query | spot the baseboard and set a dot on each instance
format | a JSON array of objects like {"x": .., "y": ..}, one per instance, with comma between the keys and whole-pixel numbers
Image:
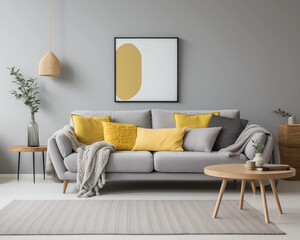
[{"x": 23, "y": 176}]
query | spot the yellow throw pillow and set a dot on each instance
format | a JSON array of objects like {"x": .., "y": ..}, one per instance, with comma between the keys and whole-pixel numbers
[
  {"x": 167, "y": 139},
  {"x": 193, "y": 121},
  {"x": 89, "y": 130},
  {"x": 121, "y": 135}
]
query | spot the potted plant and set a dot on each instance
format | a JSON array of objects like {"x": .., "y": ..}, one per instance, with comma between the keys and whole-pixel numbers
[
  {"x": 291, "y": 119},
  {"x": 259, "y": 147},
  {"x": 27, "y": 90}
]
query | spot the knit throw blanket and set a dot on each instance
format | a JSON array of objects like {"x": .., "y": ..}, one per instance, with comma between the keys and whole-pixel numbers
[
  {"x": 239, "y": 146},
  {"x": 91, "y": 163}
]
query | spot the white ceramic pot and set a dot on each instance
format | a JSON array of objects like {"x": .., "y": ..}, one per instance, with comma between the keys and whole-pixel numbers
[
  {"x": 259, "y": 160},
  {"x": 291, "y": 120}
]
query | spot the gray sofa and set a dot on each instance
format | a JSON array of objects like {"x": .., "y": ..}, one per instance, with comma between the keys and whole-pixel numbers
[{"x": 144, "y": 165}]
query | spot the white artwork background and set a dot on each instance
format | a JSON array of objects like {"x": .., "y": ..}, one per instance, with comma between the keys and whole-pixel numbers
[{"x": 159, "y": 69}]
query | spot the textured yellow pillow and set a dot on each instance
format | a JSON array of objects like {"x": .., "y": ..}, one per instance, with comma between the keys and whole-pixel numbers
[
  {"x": 167, "y": 139},
  {"x": 121, "y": 135},
  {"x": 89, "y": 130},
  {"x": 193, "y": 121}
]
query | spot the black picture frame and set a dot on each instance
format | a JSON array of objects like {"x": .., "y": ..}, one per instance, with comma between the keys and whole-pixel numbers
[{"x": 150, "y": 101}]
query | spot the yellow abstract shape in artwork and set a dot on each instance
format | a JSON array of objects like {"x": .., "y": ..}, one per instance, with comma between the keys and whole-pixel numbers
[{"x": 128, "y": 71}]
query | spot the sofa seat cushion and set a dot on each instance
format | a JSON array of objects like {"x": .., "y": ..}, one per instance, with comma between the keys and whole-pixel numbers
[
  {"x": 120, "y": 161},
  {"x": 191, "y": 161}
]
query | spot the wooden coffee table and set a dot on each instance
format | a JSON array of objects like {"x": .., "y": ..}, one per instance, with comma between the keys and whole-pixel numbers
[{"x": 239, "y": 171}]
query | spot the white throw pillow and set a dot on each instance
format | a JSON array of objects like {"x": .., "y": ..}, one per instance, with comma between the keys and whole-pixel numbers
[{"x": 200, "y": 139}]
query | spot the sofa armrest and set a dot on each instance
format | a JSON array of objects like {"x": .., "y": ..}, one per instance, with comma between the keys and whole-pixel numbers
[
  {"x": 268, "y": 150},
  {"x": 57, "y": 159},
  {"x": 267, "y": 140},
  {"x": 64, "y": 145},
  {"x": 249, "y": 149}
]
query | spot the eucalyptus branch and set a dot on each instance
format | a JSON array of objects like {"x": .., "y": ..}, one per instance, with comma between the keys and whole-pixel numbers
[
  {"x": 259, "y": 147},
  {"x": 27, "y": 90},
  {"x": 282, "y": 113}
]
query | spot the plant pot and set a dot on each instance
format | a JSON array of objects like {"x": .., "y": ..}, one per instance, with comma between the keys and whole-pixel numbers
[
  {"x": 33, "y": 133},
  {"x": 259, "y": 160},
  {"x": 291, "y": 120}
]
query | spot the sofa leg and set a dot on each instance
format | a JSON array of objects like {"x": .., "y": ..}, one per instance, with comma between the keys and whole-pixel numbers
[{"x": 65, "y": 185}]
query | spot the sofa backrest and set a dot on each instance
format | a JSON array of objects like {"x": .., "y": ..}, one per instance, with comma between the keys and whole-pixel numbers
[
  {"x": 155, "y": 118},
  {"x": 142, "y": 118},
  {"x": 165, "y": 119}
]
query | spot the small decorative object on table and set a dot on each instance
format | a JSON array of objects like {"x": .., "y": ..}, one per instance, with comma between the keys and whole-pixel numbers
[
  {"x": 291, "y": 119},
  {"x": 276, "y": 167},
  {"x": 259, "y": 159},
  {"x": 250, "y": 164},
  {"x": 27, "y": 92}
]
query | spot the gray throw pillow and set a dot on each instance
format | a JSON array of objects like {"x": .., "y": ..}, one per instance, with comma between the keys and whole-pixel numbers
[
  {"x": 200, "y": 139},
  {"x": 231, "y": 130}
]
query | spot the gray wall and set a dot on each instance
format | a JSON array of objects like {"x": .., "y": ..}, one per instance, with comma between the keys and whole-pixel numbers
[{"x": 241, "y": 54}]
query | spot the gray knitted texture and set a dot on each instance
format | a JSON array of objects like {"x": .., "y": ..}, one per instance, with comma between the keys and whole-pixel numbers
[{"x": 91, "y": 163}]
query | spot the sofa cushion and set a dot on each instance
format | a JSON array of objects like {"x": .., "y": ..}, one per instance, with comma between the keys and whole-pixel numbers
[
  {"x": 194, "y": 120},
  {"x": 142, "y": 118},
  {"x": 200, "y": 139},
  {"x": 231, "y": 130},
  {"x": 167, "y": 139},
  {"x": 121, "y": 135},
  {"x": 191, "y": 161},
  {"x": 249, "y": 149},
  {"x": 165, "y": 119},
  {"x": 64, "y": 145},
  {"x": 120, "y": 161},
  {"x": 89, "y": 130}
]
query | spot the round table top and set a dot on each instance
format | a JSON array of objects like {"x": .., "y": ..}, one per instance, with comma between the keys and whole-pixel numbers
[
  {"x": 239, "y": 171},
  {"x": 25, "y": 148}
]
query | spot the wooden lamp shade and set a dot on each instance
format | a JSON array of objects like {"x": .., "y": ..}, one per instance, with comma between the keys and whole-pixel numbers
[{"x": 49, "y": 65}]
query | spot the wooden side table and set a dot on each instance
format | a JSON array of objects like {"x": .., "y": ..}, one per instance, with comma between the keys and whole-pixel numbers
[
  {"x": 24, "y": 148},
  {"x": 239, "y": 171},
  {"x": 289, "y": 146}
]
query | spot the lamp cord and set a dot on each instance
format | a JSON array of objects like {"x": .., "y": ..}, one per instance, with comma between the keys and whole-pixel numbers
[{"x": 50, "y": 25}]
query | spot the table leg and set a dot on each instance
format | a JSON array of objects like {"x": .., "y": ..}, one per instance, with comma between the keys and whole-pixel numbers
[
  {"x": 43, "y": 164},
  {"x": 19, "y": 158},
  {"x": 263, "y": 195},
  {"x": 253, "y": 186},
  {"x": 33, "y": 161},
  {"x": 275, "y": 195},
  {"x": 242, "y": 193},
  {"x": 222, "y": 189}
]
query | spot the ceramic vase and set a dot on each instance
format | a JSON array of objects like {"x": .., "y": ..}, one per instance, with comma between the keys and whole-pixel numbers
[
  {"x": 291, "y": 120},
  {"x": 33, "y": 133},
  {"x": 259, "y": 160}
]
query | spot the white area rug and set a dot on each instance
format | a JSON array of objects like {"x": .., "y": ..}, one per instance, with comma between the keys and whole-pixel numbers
[{"x": 142, "y": 217}]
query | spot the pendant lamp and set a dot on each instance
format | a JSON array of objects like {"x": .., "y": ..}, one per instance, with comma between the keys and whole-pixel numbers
[{"x": 49, "y": 64}]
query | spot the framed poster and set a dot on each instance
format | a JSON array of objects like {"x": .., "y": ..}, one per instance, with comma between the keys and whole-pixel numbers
[{"x": 146, "y": 69}]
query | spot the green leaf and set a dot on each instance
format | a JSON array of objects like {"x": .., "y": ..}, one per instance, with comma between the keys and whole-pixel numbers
[{"x": 26, "y": 89}]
